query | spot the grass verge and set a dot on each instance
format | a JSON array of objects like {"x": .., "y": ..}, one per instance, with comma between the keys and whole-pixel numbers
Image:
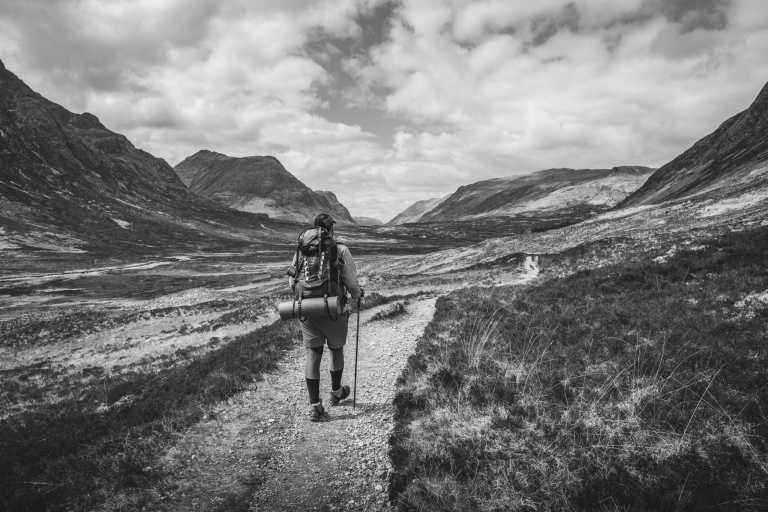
[
  {"x": 640, "y": 386},
  {"x": 74, "y": 454}
]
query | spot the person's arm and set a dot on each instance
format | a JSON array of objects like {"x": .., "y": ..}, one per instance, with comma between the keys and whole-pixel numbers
[
  {"x": 292, "y": 278},
  {"x": 349, "y": 273}
]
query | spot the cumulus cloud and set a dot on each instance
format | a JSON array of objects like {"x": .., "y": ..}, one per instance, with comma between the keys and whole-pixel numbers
[
  {"x": 391, "y": 101},
  {"x": 518, "y": 87}
]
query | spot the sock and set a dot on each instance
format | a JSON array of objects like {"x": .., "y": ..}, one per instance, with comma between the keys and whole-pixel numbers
[
  {"x": 336, "y": 379},
  {"x": 313, "y": 386}
]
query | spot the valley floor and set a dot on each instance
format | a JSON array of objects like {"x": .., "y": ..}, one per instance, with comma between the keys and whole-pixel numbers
[
  {"x": 121, "y": 385},
  {"x": 171, "y": 386}
]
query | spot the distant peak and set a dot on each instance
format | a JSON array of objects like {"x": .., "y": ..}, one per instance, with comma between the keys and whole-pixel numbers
[
  {"x": 216, "y": 154},
  {"x": 2, "y": 66},
  {"x": 762, "y": 96},
  {"x": 208, "y": 152}
]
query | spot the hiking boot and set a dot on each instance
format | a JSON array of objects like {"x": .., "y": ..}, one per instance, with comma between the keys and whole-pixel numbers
[
  {"x": 338, "y": 395},
  {"x": 318, "y": 413}
]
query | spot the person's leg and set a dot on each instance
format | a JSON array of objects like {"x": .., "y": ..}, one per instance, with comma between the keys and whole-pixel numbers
[
  {"x": 337, "y": 367},
  {"x": 313, "y": 342},
  {"x": 312, "y": 373},
  {"x": 337, "y": 337},
  {"x": 314, "y": 339},
  {"x": 338, "y": 392}
]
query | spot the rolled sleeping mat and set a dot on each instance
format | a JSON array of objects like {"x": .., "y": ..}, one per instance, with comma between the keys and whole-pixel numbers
[{"x": 316, "y": 307}]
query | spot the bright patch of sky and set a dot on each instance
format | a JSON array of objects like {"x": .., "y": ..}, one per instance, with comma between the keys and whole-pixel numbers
[{"x": 390, "y": 102}]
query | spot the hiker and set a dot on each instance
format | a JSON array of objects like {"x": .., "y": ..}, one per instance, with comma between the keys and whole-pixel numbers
[{"x": 322, "y": 267}]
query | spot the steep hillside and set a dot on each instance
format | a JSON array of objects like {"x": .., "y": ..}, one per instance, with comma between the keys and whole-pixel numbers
[
  {"x": 414, "y": 212},
  {"x": 69, "y": 184},
  {"x": 545, "y": 191},
  {"x": 339, "y": 209},
  {"x": 731, "y": 160},
  {"x": 257, "y": 184}
]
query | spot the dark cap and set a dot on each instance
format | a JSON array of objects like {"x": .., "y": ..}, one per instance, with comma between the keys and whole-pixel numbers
[{"x": 324, "y": 221}]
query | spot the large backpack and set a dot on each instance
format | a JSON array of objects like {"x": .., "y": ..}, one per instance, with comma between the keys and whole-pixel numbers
[{"x": 318, "y": 266}]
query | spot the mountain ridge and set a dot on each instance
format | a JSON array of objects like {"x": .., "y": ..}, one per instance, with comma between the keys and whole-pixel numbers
[
  {"x": 724, "y": 159},
  {"x": 69, "y": 184},
  {"x": 415, "y": 211},
  {"x": 257, "y": 184},
  {"x": 542, "y": 191}
]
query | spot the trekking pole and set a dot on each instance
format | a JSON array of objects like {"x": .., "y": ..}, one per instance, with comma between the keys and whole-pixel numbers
[{"x": 357, "y": 341}]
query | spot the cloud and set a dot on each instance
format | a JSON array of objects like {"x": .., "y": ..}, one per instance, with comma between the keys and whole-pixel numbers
[
  {"x": 536, "y": 22},
  {"x": 389, "y": 102},
  {"x": 90, "y": 44},
  {"x": 575, "y": 97},
  {"x": 697, "y": 14}
]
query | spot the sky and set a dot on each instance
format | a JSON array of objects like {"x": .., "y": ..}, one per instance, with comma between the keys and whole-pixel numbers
[{"x": 389, "y": 102}]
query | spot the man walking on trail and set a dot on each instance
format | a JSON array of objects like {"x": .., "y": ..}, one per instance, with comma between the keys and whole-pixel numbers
[{"x": 319, "y": 331}]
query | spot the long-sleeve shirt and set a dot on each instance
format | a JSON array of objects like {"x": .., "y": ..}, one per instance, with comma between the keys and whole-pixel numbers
[{"x": 348, "y": 271}]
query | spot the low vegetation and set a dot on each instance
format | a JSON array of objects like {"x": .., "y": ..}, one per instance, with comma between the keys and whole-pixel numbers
[
  {"x": 639, "y": 386},
  {"x": 374, "y": 300},
  {"x": 74, "y": 453},
  {"x": 393, "y": 311}
]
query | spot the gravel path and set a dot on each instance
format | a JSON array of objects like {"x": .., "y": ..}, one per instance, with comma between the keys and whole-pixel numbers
[{"x": 258, "y": 451}]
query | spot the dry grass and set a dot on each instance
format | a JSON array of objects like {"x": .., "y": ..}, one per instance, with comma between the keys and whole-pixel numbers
[
  {"x": 634, "y": 387},
  {"x": 73, "y": 454},
  {"x": 393, "y": 311}
]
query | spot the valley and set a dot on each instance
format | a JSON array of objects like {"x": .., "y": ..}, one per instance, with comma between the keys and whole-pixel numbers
[
  {"x": 107, "y": 370},
  {"x": 104, "y": 354},
  {"x": 567, "y": 338}
]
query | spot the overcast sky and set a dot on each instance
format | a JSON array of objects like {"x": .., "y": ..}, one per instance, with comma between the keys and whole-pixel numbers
[{"x": 386, "y": 103}]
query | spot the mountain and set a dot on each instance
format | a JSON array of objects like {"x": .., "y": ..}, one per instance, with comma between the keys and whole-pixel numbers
[
  {"x": 69, "y": 184},
  {"x": 337, "y": 210},
  {"x": 258, "y": 184},
  {"x": 717, "y": 187},
  {"x": 414, "y": 212},
  {"x": 731, "y": 160},
  {"x": 368, "y": 221},
  {"x": 550, "y": 190}
]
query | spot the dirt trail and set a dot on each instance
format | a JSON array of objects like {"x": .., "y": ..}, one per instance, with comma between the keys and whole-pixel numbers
[{"x": 258, "y": 450}]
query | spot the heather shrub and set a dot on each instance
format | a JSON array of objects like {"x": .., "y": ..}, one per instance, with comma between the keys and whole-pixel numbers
[{"x": 630, "y": 387}]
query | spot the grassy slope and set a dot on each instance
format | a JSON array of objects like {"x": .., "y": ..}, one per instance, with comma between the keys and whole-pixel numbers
[{"x": 641, "y": 386}]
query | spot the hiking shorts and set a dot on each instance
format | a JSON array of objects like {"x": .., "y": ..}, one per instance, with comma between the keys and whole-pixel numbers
[{"x": 318, "y": 331}]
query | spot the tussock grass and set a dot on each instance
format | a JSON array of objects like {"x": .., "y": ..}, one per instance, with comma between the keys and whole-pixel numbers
[
  {"x": 375, "y": 299},
  {"x": 73, "y": 454},
  {"x": 632, "y": 387}
]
